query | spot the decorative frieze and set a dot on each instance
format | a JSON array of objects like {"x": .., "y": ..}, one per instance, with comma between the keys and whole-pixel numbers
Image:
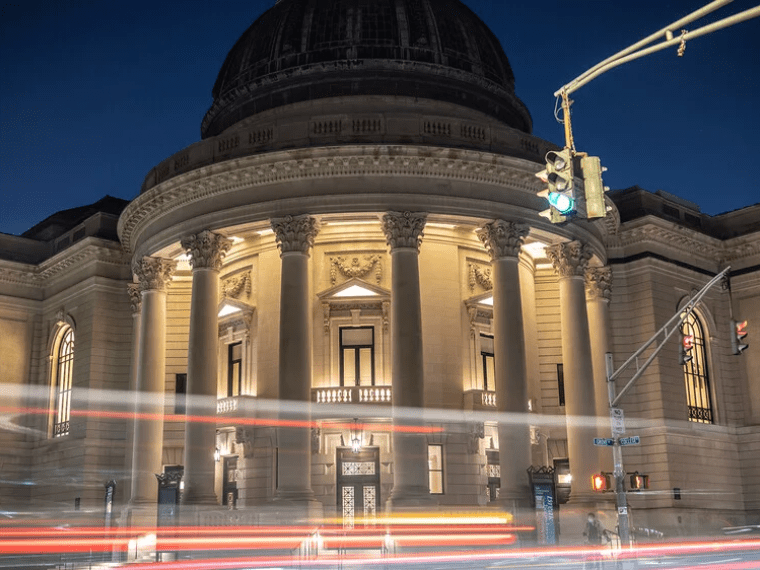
[
  {"x": 236, "y": 286},
  {"x": 206, "y": 249},
  {"x": 154, "y": 273},
  {"x": 502, "y": 238},
  {"x": 135, "y": 298},
  {"x": 404, "y": 229},
  {"x": 295, "y": 233},
  {"x": 599, "y": 283},
  {"x": 354, "y": 267},
  {"x": 570, "y": 259},
  {"x": 479, "y": 275}
]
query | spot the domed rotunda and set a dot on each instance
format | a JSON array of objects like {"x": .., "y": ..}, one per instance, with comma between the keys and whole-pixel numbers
[{"x": 357, "y": 234}]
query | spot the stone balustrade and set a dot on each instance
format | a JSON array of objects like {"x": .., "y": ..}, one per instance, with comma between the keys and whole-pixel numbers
[{"x": 378, "y": 395}]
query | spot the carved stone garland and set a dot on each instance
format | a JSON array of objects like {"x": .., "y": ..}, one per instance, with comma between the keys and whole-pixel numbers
[
  {"x": 355, "y": 268},
  {"x": 206, "y": 249},
  {"x": 154, "y": 273},
  {"x": 234, "y": 287},
  {"x": 599, "y": 283},
  {"x": 404, "y": 230},
  {"x": 502, "y": 238},
  {"x": 570, "y": 259},
  {"x": 480, "y": 276},
  {"x": 295, "y": 233}
]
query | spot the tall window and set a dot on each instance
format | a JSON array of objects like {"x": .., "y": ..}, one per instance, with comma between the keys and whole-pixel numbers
[
  {"x": 357, "y": 356},
  {"x": 64, "y": 369},
  {"x": 435, "y": 469},
  {"x": 696, "y": 376},
  {"x": 234, "y": 369},
  {"x": 486, "y": 354},
  {"x": 561, "y": 383}
]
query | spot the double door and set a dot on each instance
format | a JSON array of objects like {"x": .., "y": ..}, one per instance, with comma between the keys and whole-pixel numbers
[{"x": 358, "y": 485}]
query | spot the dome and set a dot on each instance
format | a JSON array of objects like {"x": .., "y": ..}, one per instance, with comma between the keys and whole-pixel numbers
[{"x": 302, "y": 50}]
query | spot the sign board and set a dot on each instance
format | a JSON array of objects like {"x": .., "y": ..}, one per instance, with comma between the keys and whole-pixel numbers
[
  {"x": 622, "y": 510},
  {"x": 618, "y": 421},
  {"x": 632, "y": 440},
  {"x": 602, "y": 441},
  {"x": 545, "y": 506}
]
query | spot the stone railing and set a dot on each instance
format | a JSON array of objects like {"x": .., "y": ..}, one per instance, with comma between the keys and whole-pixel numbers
[
  {"x": 379, "y": 395},
  {"x": 479, "y": 400},
  {"x": 233, "y": 405}
]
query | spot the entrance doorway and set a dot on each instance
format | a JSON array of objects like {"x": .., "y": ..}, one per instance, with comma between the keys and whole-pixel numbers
[
  {"x": 229, "y": 485},
  {"x": 358, "y": 485}
]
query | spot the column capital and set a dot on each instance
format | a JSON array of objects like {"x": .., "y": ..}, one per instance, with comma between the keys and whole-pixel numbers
[
  {"x": 599, "y": 283},
  {"x": 404, "y": 229},
  {"x": 135, "y": 298},
  {"x": 206, "y": 249},
  {"x": 502, "y": 238},
  {"x": 295, "y": 233},
  {"x": 153, "y": 273},
  {"x": 570, "y": 259}
]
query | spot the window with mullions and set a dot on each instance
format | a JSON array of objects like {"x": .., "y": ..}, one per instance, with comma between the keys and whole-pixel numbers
[
  {"x": 696, "y": 376},
  {"x": 64, "y": 372},
  {"x": 435, "y": 469},
  {"x": 234, "y": 369},
  {"x": 486, "y": 354},
  {"x": 357, "y": 356}
]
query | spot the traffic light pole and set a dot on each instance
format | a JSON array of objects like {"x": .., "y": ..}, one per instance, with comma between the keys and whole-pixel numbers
[{"x": 673, "y": 324}]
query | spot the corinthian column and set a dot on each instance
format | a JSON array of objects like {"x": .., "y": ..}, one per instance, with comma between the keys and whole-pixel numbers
[
  {"x": 295, "y": 238},
  {"x": 570, "y": 261},
  {"x": 503, "y": 241},
  {"x": 135, "y": 300},
  {"x": 206, "y": 250},
  {"x": 403, "y": 233},
  {"x": 154, "y": 275},
  {"x": 598, "y": 293}
]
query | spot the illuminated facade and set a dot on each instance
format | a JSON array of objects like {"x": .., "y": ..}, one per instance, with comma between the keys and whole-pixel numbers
[{"x": 358, "y": 229}]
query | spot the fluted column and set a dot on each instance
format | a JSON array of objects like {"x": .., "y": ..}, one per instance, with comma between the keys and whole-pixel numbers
[
  {"x": 570, "y": 261},
  {"x": 503, "y": 241},
  {"x": 154, "y": 275},
  {"x": 598, "y": 293},
  {"x": 295, "y": 238},
  {"x": 135, "y": 301},
  {"x": 206, "y": 251},
  {"x": 403, "y": 232}
]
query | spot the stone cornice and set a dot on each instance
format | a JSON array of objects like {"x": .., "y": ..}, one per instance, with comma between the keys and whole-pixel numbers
[
  {"x": 348, "y": 161},
  {"x": 42, "y": 275}
]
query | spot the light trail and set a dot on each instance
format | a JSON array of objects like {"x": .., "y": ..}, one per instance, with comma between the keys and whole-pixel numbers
[{"x": 260, "y": 422}]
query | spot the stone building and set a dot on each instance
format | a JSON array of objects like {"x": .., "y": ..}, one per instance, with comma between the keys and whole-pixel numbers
[{"x": 358, "y": 228}]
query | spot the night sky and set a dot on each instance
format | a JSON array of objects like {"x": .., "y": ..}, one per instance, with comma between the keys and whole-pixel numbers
[{"x": 93, "y": 93}]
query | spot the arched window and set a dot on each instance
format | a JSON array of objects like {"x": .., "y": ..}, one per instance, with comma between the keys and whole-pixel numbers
[
  {"x": 696, "y": 376},
  {"x": 62, "y": 375}
]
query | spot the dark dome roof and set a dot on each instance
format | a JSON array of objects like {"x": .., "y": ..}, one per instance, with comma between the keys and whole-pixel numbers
[{"x": 300, "y": 50}]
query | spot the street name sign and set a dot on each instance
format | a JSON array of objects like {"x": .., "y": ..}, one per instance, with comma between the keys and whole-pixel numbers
[
  {"x": 604, "y": 441},
  {"x": 632, "y": 440}
]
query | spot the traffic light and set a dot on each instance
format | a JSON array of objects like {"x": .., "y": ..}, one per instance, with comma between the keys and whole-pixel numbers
[
  {"x": 684, "y": 348},
  {"x": 639, "y": 481},
  {"x": 593, "y": 187},
  {"x": 558, "y": 177},
  {"x": 738, "y": 334},
  {"x": 601, "y": 482}
]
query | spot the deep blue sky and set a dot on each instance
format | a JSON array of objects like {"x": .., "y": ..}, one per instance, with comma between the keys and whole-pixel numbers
[{"x": 93, "y": 93}]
